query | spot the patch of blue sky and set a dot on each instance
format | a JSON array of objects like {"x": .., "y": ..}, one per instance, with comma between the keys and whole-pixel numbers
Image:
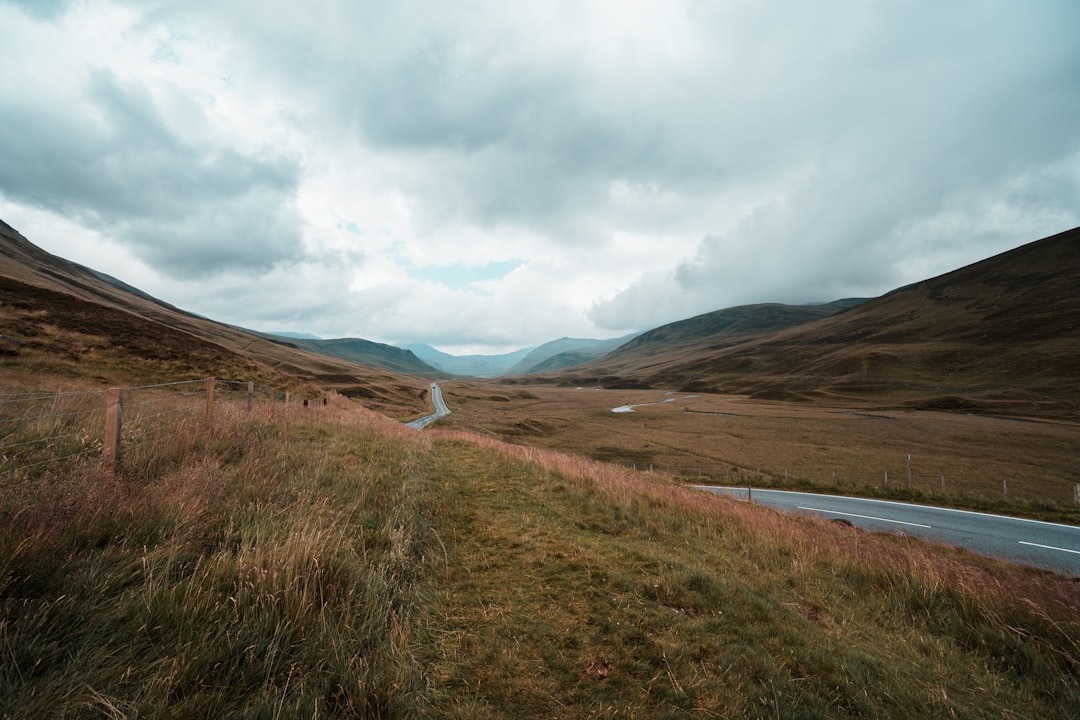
[
  {"x": 165, "y": 52},
  {"x": 463, "y": 277}
]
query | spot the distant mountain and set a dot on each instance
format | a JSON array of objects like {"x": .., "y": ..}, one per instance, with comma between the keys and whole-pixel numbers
[
  {"x": 1002, "y": 335},
  {"x": 554, "y": 355},
  {"x": 560, "y": 361},
  {"x": 564, "y": 353},
  {"x": 371, "y": 354},
  {"x": 481, "y": 366}
]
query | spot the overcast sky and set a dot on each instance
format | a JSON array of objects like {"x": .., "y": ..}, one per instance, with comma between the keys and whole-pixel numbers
[{"x": 501, "y": 174}]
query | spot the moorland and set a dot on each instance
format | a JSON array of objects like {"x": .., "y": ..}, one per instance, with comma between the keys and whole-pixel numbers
[{"x": 517, "y": 559}]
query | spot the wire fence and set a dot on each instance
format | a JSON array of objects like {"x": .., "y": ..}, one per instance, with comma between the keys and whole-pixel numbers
[
  {"x": 42, "y": 432},
  {"x": 900, "y": 482},
  {"x": 38, "y": 429}
]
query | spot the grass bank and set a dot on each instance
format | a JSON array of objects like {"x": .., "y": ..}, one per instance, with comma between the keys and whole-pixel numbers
[
  {"x": 577, "y": 589},
  {"x": 328, "y": 563},
  {"x": 270, "y": 567}
]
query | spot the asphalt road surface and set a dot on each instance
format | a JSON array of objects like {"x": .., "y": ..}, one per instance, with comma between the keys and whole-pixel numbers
[
  {"x": 1050, "y": 546},
  {"x": 440, "y": 410}
]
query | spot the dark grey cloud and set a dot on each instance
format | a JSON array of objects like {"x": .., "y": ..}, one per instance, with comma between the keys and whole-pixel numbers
[
  {"x": 113, "y": 160},
  {"x": 505, "y": 131},
  {"x": 949, "y": 117},
  {"x": 509, "y": 129},
  {"x": 745, "y": 152}
]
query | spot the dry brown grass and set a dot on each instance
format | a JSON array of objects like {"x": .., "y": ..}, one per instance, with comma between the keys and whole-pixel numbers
[
  {"x": 729, "y": 438},
  {"x": 301, "y": 562},
  {"x": 268, "y": 565},
  {"x": 818, "y": 540},
  {"x": 574, "y": 587},
  {"x": 55, "y": 333}
]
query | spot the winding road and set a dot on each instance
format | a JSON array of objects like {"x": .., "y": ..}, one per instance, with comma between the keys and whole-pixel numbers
[
  {"x": 1050, "y": 546},
  {"x": 440, "y": 410}
]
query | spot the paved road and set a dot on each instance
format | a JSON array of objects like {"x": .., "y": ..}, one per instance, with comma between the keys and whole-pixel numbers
[
  {"x": 1050, "y": 546},
  {"x": 440, "y": 410}
]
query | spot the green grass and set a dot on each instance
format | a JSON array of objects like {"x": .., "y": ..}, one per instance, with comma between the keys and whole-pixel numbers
[
  {"x": 565, "y": 597},
  {"x": 329, "y": 563}
]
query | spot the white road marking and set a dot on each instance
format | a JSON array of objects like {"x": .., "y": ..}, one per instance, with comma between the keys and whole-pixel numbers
[
  {"x": 1051, "y": 547},
  {"x": 865, "y": 517}
]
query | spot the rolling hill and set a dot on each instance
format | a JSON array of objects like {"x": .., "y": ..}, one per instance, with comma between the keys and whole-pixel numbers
[
  {"x": 1000, "y": 335},
  {"x": 730, "y": 326},
  {"x": 62, "y": 320},
  {"x": 367, "y": 353},
  {"x": 554, "y": 355},
  {"x": 481, "y": 366},
  {"x": 565, "y": 353}
]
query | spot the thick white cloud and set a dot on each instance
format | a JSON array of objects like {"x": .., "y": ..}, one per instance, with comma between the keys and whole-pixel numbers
[{"x": 312, "y": 166}]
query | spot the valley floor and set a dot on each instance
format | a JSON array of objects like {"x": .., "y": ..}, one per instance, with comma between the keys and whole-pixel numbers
[{"x": 875, "y": 450}]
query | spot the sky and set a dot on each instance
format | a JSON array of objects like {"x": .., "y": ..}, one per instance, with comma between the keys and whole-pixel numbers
[{"x": 488, "y": 175}]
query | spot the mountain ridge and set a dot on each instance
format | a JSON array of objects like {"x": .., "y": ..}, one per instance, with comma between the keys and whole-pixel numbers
[
  {"x": 63, "y": 320},
  {"x": 371, "y": 354},
  {"x": 566, "y": 352},
  {"x": 1001, "y": 334},
  {"x": 481, "y": 366}
]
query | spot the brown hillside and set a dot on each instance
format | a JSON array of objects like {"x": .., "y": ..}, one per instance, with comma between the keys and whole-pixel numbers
[
  {"x": 1001, "y": 335},
  {"x": 60, "y": 320}
]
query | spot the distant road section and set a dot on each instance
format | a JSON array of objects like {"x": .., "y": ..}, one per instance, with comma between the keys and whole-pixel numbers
[
  {"x": 1050, "y": 546},
  {"x": 440, "y": 410}
]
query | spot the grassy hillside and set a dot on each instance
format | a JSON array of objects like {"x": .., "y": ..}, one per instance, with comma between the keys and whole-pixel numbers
[
  {"x": 726, "y": 327},
  {"x": 370, "y": 354},
  {"x": 1002, "y": 336},
  {"x": 329, "y": 563},
  {"x": 62, "y": 322}
]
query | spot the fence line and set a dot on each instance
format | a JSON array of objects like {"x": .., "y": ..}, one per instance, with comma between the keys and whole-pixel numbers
[
  {"x": 43, "y": 429},
  {"x": 40, "y": 428},
  {"x": 791, "y": 478}
]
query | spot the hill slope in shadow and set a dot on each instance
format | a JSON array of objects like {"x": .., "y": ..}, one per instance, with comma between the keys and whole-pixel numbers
[
  {"x": 1000, "y": 335},
  {"x": 62, "y": 320}
]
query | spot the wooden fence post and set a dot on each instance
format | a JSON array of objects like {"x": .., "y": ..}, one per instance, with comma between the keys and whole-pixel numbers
[
  {"x": 113, "y": 418},
  {"x": 209, "y": 400},
  {"x": 1076, "y": 493},
  {"x": 251, "y": 393}
]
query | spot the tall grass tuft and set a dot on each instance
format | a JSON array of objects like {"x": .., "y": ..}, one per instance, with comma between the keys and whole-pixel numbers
[{"x": 268, "y": 566}]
